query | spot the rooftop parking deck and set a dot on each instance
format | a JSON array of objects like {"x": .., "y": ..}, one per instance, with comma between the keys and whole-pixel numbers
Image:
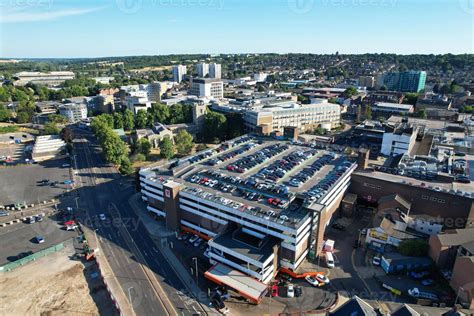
[{"x": 279, "y": 182}]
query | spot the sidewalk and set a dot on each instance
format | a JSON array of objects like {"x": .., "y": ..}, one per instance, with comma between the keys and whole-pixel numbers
[
  {"x": 109, "y": 278},
  {"x": 160, "y": 234}
]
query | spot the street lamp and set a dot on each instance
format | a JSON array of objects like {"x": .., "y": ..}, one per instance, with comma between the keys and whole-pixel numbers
[
  {"x": 130, "y": 298},
  {"x": 457, "y": 295},
  {"x": 196, "y": 262}
]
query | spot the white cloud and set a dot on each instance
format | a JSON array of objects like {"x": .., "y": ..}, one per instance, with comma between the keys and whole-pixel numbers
[{"x": 18, "y": 16}]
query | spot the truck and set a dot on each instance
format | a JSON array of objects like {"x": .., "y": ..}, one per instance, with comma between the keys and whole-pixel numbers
[
  {"x": 416, "y": 293},
  {"x": 328, "y": 245}
]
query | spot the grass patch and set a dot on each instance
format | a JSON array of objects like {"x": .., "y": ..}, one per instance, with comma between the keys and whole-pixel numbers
[{"x": 8, "y": 129}]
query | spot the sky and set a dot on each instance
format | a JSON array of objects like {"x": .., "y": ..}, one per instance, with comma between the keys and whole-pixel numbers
[{"x": 86, "y": 28}]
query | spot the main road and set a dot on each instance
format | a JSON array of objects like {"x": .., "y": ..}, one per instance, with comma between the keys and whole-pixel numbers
[{"x": 145, "y": 276}]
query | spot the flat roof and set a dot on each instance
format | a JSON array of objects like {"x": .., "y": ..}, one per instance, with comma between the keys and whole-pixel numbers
[
  {"x": 238, "y": 281},
  {"x": 394, "y": 105},
  {"x": 258, "y": 254}
]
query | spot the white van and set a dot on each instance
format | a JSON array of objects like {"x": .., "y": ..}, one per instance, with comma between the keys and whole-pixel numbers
[{"x": 329, "y": 260}]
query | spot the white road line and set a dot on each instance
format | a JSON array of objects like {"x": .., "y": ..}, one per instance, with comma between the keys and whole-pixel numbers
[{"x": 110, "y": 237}]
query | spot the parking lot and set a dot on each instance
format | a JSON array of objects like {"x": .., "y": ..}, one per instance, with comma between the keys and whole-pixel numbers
[
  {"x": 19, "y": 239},
  {"x": 21, "y": 183}
]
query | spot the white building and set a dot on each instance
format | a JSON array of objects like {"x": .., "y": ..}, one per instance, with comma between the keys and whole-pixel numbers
[
  {"x": 137, "y": 103},
  {"x": 400, "y": 141},
  {"x": 395, "y": 108},
  {"x": 215, "y": 71},
  {"x": 103, "y": 80},
  {"x": 178, "y": 73},
  {"x": 207, "y": 88},
  {"x": 277, "y": 115},
  {"x": 74, "y": 111},
  {"x": 260, "y": 77},
  {"x": 53, "y": 78},
  {"x": 202, "y": 70}
]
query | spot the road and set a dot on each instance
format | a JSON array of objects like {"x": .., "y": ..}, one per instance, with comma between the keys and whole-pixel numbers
[{"x": 137, "y": 263}]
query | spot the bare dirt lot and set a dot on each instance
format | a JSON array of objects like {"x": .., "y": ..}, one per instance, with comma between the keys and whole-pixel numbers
[{"x": 54, "y": 285}]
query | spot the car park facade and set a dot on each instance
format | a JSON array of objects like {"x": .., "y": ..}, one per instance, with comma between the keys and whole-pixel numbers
[{"x": 254, "y": 219}]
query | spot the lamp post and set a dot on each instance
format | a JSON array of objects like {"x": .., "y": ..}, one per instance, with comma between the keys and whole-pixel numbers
[
  {"x": 457, "y": 295},
  {"x": 196, "y": 262}
]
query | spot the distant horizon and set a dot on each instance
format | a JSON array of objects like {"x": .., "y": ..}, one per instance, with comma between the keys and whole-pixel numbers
[
  {"x": 74, "y": 29},
  {"x": 218, "y": 54}
]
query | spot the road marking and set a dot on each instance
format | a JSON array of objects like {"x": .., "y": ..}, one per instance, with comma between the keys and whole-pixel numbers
[
  {"x": 110, "y": 237},
  {"x": 145, "y": 253}
]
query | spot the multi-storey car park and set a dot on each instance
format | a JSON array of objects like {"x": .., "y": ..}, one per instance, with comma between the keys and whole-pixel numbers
[{"x": 263, "y": 205}]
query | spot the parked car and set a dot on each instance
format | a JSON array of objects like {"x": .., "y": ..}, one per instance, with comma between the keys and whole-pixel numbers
[
  {"x": 193, "y": 239},
  {"x": 102, "y": 217},
  {"x": 290, "y": 290},
  {"x": 322, "y": 278},
  {"x": 197, "y": 242},
  {"x": 376, "y": 261},
  {"x": 298, "y": 291},
  {"x": 39, "y": 239},
  {"x": 274, "y": 290},
  {"x": 311, "y": 280}
]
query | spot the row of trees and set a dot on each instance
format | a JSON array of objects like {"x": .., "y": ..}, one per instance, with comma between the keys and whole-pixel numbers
[
  {"x": 114, "y": 148},
  {"x": 218, "y": 127}
]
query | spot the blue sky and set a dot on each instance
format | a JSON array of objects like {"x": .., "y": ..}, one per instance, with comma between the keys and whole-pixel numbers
[{"x": 75, "y": 28}]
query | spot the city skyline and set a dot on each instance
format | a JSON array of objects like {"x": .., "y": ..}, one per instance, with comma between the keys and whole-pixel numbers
[{"x": 80, "y": 29}]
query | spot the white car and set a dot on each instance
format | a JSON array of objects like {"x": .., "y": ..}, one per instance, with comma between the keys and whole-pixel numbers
[
  {"x": 376, "y": 261},
  {"x": 193, "y": 239},
  {"x": 322, "y": 278},
  {"x": 197, "y": 242},
  {"x": 102, "y": 216},
  {"x": 311, "y": 280},
  {"x": 290, "y": 290}
]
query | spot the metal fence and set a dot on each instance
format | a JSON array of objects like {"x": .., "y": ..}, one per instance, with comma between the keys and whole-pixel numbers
[{"x": 18, "y": 263}]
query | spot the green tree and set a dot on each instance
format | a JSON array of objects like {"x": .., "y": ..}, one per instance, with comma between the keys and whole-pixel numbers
[
  {"x": 4, "y": 95},
  {"x": 166, "y": 148},
  {"x": 128, "y": 120},
  {"x": 422, "y": 113},
  {"x": 144, "y": 146},
  {"x": 57, "y": 118},
  {"x": 118, "y": 120},
  {"x": 410, "y": 98},
  {"x": 5, "y": 114},
  {"x": 184, "y": 142},
  {"x": 349, "y": 92},
  {"x": 50, "y": 128},
  {"x": 22, "y": 117},
  {"x": 215, "y": 126},
  {"x": 140, "y": 119},
  {"x": 160, "y": 113},
  {"x": 138, "y": 157},
  {"x": 126, "y": 166}
]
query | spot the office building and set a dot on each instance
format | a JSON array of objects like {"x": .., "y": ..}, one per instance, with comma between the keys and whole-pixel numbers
[
  {"x": 207, "y": 88},
  {"x": 399, "y": 141},
  {"x": 277, "y": 115},
  {"x": 253, "y": 225},
  {"x": 50, "y": 79},
  {"x": 105, "y": 103},
  {"x": 137, "y": 103},
  {"x": 179, "y": 71},
  {"x": 407, "y": 81},
  {"x": 202, "y": 70},
  {"x": 215, "y": 71},
  {"x": 74, "y": 111}
]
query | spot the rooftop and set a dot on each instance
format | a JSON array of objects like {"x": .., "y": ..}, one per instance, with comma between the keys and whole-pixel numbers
[{"x": 456, "y": 237}]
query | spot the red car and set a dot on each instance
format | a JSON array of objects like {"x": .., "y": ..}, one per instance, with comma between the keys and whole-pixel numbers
[{"x": 274, "y": 290}]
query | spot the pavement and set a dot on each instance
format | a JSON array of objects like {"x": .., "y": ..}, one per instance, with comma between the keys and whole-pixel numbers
[
  {"x": 19, "y": 238},
  {"x": 144, "y": 280},
  {"x": 22, "y": 182}
]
